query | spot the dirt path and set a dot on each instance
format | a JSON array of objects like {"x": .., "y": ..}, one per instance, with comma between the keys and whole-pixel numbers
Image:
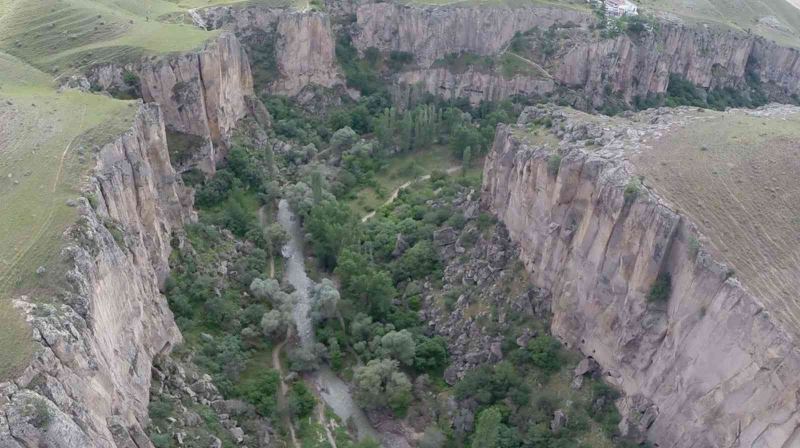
[
  {"x": 276, "y": 364},
  {"x": 397, "y": 190}
]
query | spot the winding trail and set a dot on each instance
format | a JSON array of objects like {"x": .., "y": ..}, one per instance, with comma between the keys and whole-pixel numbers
[
  {"x": 276, "y": 364},
  {"x": 397, "y": 190}
]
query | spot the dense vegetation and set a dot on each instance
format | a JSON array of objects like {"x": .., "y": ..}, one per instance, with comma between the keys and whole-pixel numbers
[{"x": 227, "y": 297}]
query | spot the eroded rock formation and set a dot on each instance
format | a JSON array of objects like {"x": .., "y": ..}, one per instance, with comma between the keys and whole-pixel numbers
[
  {"x": 302, "y": 43},
  {"x": 202, "y": 94},
  {"x": 708, "y": 368},
  {"x": 473, "y": 85},
  {"x": 628, "y": 65},
  {"x": 430, "y": 33},
  {"x": 88, "y": 383}
]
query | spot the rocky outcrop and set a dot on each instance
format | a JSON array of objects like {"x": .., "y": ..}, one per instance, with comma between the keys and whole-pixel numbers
[
  {"x": 301, "y": 43},
  {"x": 708, "y": 368},
  {"x": 628, "y": 65},
  {"x": 89, "y": 381},
  {"x": 474, "y": 85},
  {"x": 202, "y": 94},
  {"x": 430, "y": 33},
  {"x": 305, "y": 53}
]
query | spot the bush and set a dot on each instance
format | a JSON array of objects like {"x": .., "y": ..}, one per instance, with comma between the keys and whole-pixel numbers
[
  {"x": 553, "y": 164},
  {"x": 661, "y": 289},
  {"x": 300, "y": 400},
  {"x": 545, "y": 353},
  {"x": 262, "y": 392},
  {"x": 631, "y": 191}
]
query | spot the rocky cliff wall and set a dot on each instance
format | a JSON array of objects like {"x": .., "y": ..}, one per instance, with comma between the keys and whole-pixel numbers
[
  {"x": 302, "y": 43},
  {"x": 708, "y": 368},
  {"x": 474, "y": 85},
  {"x": 88, "y": 384},
  {"x": 629, "y": 65},
  {"x": 642, "y": 64},
  {"x": 202, "y": 94},
  {"x": 430, "y": 33}
]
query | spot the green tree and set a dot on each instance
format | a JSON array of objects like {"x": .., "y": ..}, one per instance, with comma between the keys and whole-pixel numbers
[
  {"x": 365, "y": 285},
  {"x": 430, "y": 354},
  {"x": 399, "y": 345},
  {"x": 381, "y": 384},
  {"x": 545, "y": 353},
  {"x": 487, "y": 429},
  {"x": 300, "y": 400},
  {"x": 262, "y": 391},
  {"x": 331, "y": 227}
]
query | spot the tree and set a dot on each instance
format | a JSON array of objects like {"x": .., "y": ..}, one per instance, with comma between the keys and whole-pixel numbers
[
  {"x": 325, "y": 300},
  {"x": 331, "y": 227},
  {"x": 380, "y": 384},
  {"x": 466, "y": 160},
  {"x": 365, "y": 285},
  {"x": 300, "y": 400},
  {"x": 275, "y": 323},
  {"x": 262, "y": 391},
  {"x": 430, "y": 354},
  {"x": 342, "y": 140},
  {"x": 487, "y": 430},
  {"x": 316, "y": 186},
  {"x": 268, "y": 289},
  {"x": 432, "y": 438},
  {"x": 545, "y": 353},
  {"x": 305, "y": 359},
  {"x": 417, "y": 262},
  {"x": 276, "y": 238},
  {"x": 399, "y": 345}
]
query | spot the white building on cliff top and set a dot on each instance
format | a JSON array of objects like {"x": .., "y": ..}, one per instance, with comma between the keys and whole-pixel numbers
[{"x": 618, "y": 8}]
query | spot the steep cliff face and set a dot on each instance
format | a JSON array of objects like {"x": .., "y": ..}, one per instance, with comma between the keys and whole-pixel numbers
[
  {"x": 301, "y": 43},
  {"x": 305, "y": 52},
  {"x": 430, "y": 33},
  {"x": 472, "y": 85},
  {"x": 88, "y": 384},
  {"x": 202, "y": 94},
  {"x": 708, "y": 368},
  {"x": 629, "y": 65}
]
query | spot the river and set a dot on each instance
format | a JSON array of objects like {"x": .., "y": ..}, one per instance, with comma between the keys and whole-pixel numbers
[{"x": 334, "y": 391}]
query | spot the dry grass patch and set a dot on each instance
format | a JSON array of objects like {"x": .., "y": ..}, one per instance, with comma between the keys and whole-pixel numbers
[{"x": 734, "y": 174}]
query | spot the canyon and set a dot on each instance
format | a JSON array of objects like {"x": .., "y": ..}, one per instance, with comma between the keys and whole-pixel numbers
[{"x": 591, "y": 248}]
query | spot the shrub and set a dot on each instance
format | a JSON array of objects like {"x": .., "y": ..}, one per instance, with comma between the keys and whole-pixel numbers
[
  {"x": 661, "y": 289},
  {"x": 553, "y": 164},
  {"x": 261, "y": 392},
  {"x": 694, "y": 246},
  {"x": 545, "y": 353},
  {"x": 301, "y": 401},
  {"x": 632, "y": 190}
]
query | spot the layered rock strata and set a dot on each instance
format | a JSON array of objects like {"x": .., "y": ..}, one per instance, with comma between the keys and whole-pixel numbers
[
  {"x": 710, "y": 367},
  {"x": 88, "y": 384}
]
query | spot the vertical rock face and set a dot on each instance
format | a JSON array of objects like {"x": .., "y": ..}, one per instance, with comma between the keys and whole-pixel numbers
[
  {"x": 304, "y": 46},
  {"x": 88, "y": 384},
  {"x": 472, "y": 84},
  {"x": 626, "y": 65},
  {"x": 708, "y": 368},
  {"x": 431, "y": 33},
  {"x": 305, "y": 52},
  {"x": 202, "y": 94}
]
